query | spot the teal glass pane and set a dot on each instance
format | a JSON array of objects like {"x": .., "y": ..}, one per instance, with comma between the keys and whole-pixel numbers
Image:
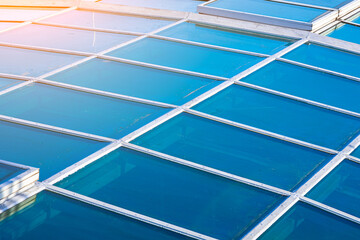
[
  {"x": 137, "y": 81},
  {"x": 328, "y": 58},
  {"x": 271, "y": 9},
  {"x": 108, "y": 21},
  {"x": 63, "y": 38},
  {"x": 346, "y": 32},
  {"x": 310, "y": 84},
  {"x": 32, "y": 63},
  {"x": 323, "y": 3},
  {"x": 283, "y": 116},
  {"x": 340, "y": 189},
  {"x": 7, "y": 172},
  {"x": 52, "y": 216},
  {"x": 187, "y": 57},
  {"x": 356, "y": 153},
  {"x": 188, "y": 198},
  {"x": 183, "y": 5},
  {"x": 79, "y": 111},
  {"x": 49, "y": 151},
  {"x": 234, "y": 150},
  {"x": 226, "y": 38},
  {"x": 307, "y": 222},
  {"x": 7, "y": 82}
]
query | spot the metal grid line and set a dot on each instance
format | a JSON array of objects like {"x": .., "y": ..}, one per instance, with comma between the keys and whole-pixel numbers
[
  {"x": 92, "y": 29},
  {"x": 55, "y": 129},
  {"x": 127, "y": 213},
  {"x": 331, "y": 210},
  {"x": 38, "y": 19},
  {"x": 304, "y": 189},
  {"x": 261, "y": 131},
  {"x": 66, "y": 172},
  {"x": 357, "y": 79},
  {"x": 207, "y": 169},
  {"x": 304, "y": 5},
  {"x": 211, "y": 46}
]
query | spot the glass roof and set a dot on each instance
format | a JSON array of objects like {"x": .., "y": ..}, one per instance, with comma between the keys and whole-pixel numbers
[{"x": 148, "y": 120}]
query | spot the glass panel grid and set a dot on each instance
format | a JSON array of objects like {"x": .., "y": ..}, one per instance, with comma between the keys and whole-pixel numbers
[{"x": 322, "y": 162}]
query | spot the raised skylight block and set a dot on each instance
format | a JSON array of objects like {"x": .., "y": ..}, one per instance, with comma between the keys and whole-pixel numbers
[
  {"x": 187, "y": 57},
  {"x": 323, "y": 3},
  {"x": 15, "y": 178},
  {"x": 64, "y": 38},
  {"x": 307, "y": 222},
  {"x": 227, "y": 38},
  {"x": 136, "y": 81},
  {"x": 269, "y": 12},
  {"x": 340, "y": 189},
  {"x": 283, "y": 116},
  {"x": 50, "y": 151},
  {"x": 52, "y": 216},
  {"x": 186, "y": 197},
  {"x": 345, "y": 31},
  {"x": 234, "y": 150},
  {"x": 78, "y": 111}
]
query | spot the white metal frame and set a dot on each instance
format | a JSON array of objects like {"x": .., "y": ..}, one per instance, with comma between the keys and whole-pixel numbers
[{"x": 20, "y": 183}]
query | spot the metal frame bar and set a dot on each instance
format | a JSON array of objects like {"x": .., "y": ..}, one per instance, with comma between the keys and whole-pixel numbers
[
  {"x": 304, "y": 189},
  {"x": 20, "y": 182},
  {"x": 207, "y": 169},
  {"x": 127, "y": 213}
]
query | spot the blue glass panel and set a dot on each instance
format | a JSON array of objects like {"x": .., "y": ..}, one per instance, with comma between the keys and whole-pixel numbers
[
  {"x": 356, "y": 153},
  {"x": 63, "y": 38},
  {"x": 173, "y": 193},
  {"x": 307, "y": 222},
  {"x": 32, "y": 63},
  {"x": 340, "y": 189},
  {"x": 136, "y": 81},
  {"x": 108, "y": 21},
  {"x": 49, "y": 151},
  {"x": 234, "y": 150},
  {"x": 77, "y": 110},
  {"x": 52, "y": 216},
  {"x": 183, "y": 5},
  {"x": 187, "y": 57},
  {"x": 220, "y": 37},
  {"x": 328, "y": 58},
  {"x": 323, "y": 3},
  {"x": 7, "y": 172},
  {"x": 284, "y": 116},
  {"x": 7, "y": 82},
  {"x": 268, "y": 8},
  {"x": 346, "y": 32},
  {"x": 307, "y": 83}
]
